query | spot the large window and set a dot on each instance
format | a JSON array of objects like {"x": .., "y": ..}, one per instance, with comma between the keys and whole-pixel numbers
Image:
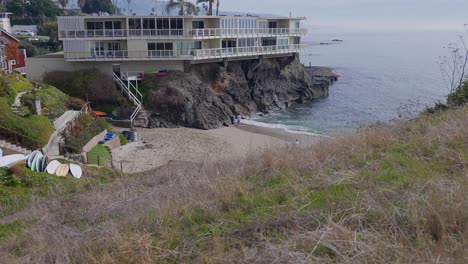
[
  {"x": 134, "y": 23},
  {"x": 160, "y": 49},
  {"x": 238, "y": 23},
  {"x": 269, "y": 42},
  {"x": 189, "y": 45},
  {"x": 94, "y": 25},
  {"x": 198, "y": 24},
  {"x": 247, "y": 42},
  {"x": 229, "y": 43},
  {"x": 283, "y": 43},
  {"x": 149, "y": 23}
]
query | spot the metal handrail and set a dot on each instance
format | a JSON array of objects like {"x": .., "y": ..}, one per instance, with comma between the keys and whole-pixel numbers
[
  {"x": 132, "y": 97},
  {"x": 194, "y": 54},
  {"x": 177, "y": 33}
]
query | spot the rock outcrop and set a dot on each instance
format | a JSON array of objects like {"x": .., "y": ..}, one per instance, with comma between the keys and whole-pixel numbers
[{"x": 211, "y": 94}]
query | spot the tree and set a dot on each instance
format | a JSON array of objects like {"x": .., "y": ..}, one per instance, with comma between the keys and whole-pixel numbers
[
  {"x": 63, "y": 3},
  {"x": 33, "y": 11},
  {"x": 128, "y": 2},
  {"x": 184, "y": 6},
  {"x": 81, "y": 3},
  {"x": 96, "y": 6},
  {"x": 210, "y": 5},
  {"x": 217, "y": 7}
]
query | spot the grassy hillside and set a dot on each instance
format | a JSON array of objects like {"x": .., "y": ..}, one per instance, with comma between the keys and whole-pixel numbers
[{"x": 386, "y": 194}]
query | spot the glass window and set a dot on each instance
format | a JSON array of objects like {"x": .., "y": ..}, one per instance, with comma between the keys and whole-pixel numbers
[
  {"x": 149, "y": 23},
  {"x": 162, "y": 23},
  {"x": 108, "y": 25},
  {"x": 160, "y": 46},
  {"x": 117, "y": 25},
  {"x": 198, "y": 24},
  {"x": 269, "y": 42},
  {"x": 177, "y": 23},
  {"x": 134, "y": 23}
]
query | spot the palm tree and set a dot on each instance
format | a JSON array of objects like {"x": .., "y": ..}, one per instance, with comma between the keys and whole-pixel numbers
[
  {"x": 210, "y": 5},
  {"x": 217, "y": 7},
  {"x": 63, "y": 3},
  {"x": 129, "y": 1},
  {"x": 81, "y": 3},
  {"x": 185, "y": 7}
]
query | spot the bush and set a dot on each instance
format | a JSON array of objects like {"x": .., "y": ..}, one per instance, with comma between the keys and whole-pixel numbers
[
  {"x": 91, "y": 85},
  {"x": 53, "y": 101},
  {"x": 33, "y": 50},
  {"x": 459, "y": 96},
  {"x": 34, "y": 131},
  {"x": 75, "y": 103},
  {"x": 11, "y": 85},
  {"x": 85, "y": 129}
]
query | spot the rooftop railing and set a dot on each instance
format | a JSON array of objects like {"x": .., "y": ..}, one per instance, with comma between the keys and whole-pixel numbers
[
  {"x": 178, "y": 33},
  {"x": 196, "y": 54}
]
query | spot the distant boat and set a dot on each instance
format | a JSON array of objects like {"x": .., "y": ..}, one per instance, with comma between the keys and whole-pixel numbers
[
  {"x": 325, "y": 43},
  {"x": 337, "y": 40}
]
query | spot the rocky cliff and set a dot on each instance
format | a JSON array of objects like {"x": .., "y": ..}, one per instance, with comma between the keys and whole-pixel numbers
[{"x": 211, "y": 94}]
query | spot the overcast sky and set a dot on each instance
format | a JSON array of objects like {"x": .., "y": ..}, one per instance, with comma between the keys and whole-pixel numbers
[{"x": 365, "y": 14}]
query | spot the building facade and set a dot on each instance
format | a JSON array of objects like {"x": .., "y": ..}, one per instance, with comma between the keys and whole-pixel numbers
[
  {"x": 192, "y": 38},
  {"x": 12, "y": 57},
  {"x": 141, "y": 43}
]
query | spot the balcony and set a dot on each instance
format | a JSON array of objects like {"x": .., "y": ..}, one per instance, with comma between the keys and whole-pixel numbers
[
  {"x": 202, "y": 54},
  {"x": 205, "y": 33}
]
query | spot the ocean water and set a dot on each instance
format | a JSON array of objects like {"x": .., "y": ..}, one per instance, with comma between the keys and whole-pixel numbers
[{"x": 383, "y": 76}]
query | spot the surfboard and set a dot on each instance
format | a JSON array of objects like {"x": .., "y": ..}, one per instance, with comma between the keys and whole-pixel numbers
[
  {"x": 31, "y": 158},
  {"x": 36, "y": 161},
  {"x": 52, "y": 167},
  {"x": 62, "y": 170},
  {"x": 44, "y": 162},
  {"x": 76, "y": 171},
  {"x": 10, "y": 160}
]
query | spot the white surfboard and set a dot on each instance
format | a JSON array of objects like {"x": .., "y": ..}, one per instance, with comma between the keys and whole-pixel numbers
[
  {"x": 10, "y": 160},
  {"x": 62, "y": 170},
  {"x": 52, "y": 167},
  {"x": 31, "y": 158},
  {"x": 76, "y": 171}
]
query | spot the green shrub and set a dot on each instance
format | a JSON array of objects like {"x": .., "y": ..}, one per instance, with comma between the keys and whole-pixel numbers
[
  {"x": 34, "y": 131},
  {"x": 91, "y": 85},
  {"x": 459, "y": 96},
  {"x": 53, "y": 101},
  {"x": 85, "y": 128},
  {"x": 11, "y": 85}
]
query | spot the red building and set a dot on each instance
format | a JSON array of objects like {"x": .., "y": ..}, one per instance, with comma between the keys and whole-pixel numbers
[{"x": 12, "y": 59}]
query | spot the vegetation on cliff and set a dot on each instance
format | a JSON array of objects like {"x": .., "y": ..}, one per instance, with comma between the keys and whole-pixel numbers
[
  {"x": 35, "y": 130},
  {"x": 392, "y": 193}
]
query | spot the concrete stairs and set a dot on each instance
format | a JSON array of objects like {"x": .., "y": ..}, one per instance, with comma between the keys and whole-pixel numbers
[
  {"x": 10, "y": 146},
  {"x": 16, "y": 107},
  {"x": 142, "y": 119}
]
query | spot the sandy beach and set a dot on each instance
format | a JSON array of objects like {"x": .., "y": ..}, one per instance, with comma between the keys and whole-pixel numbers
[{"x": 162, "y": 145}]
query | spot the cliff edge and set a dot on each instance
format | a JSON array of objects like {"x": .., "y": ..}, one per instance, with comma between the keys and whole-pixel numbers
[{"x": 211, "y": 94}]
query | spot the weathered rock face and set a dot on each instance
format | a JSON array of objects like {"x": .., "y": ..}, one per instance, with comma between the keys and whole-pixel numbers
[{"x": 211, "y": 94}]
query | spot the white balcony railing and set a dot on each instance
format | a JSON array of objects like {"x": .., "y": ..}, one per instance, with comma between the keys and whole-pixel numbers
[
  {"x": 178, "y": 33},
  {"x": 201, "y": 54}
]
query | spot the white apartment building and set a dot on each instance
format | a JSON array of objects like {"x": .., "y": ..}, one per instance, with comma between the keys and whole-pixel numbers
[
  {"x": 139, "y": 43},
  {"x": 110, "y": 38}
]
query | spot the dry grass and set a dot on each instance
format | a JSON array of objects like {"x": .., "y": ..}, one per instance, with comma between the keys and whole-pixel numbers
[{"x": 393, "y": 194}]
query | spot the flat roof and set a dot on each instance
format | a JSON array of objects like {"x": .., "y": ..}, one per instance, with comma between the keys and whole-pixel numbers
[{"x": 193, "y": 17}]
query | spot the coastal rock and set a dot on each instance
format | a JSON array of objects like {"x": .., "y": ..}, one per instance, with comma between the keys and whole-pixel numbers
[{"x": 209, "y": 94}]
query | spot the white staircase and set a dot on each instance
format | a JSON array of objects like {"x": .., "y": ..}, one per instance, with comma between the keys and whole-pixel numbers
[
  {"x": 131, "y": 91},
  {"x": 13, "y": 147}
]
